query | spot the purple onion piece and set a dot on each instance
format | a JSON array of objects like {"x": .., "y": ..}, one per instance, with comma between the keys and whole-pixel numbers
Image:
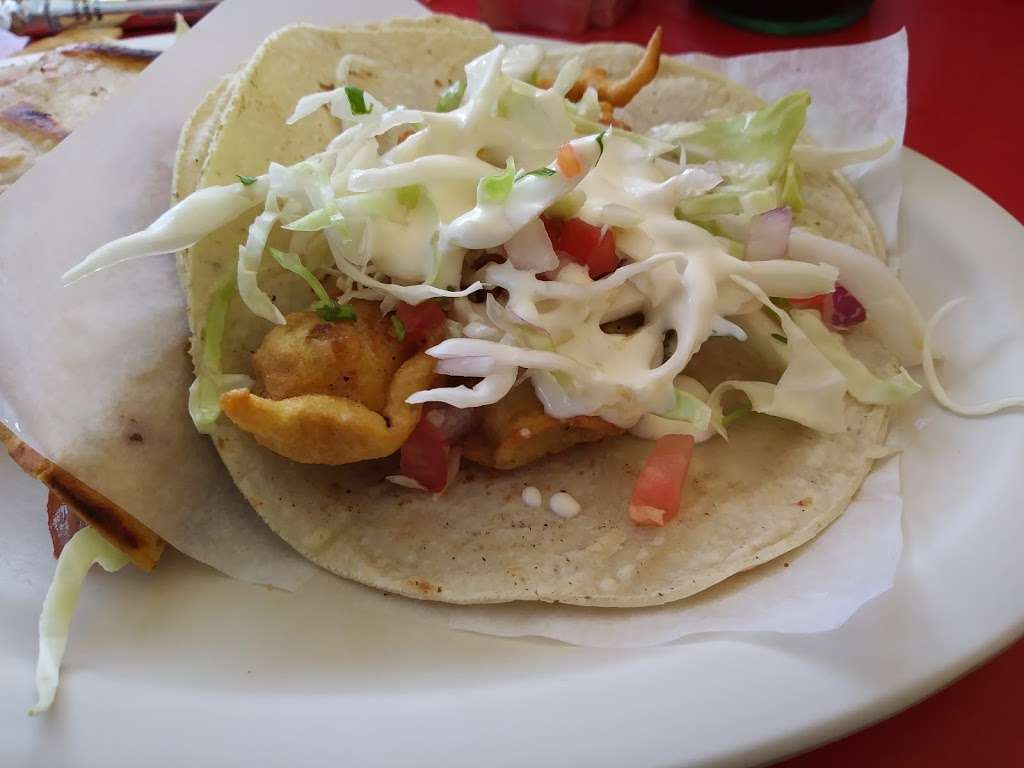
[
  {"x": 842, "y": 309},
  {"x": 453, "y": 423},
  {"x": 768, "y": 236}
]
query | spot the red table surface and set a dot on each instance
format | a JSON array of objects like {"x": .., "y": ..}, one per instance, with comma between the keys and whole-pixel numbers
[{"x": 966, "y": 111}]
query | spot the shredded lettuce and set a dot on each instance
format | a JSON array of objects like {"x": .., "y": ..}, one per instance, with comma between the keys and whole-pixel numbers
[
  {"x": 757, "y": 145},
  {"x": 488, "y": 390},
  {"x": 522, "y": 61},
  {"x": 810, "y": 391},
  {"x": 451, "y": 97},
  {"x": 791, "y": 183},
  {"x": 326, "y": 307},
  {"x": 181, "y": 227},
  {"x": 567, "y": 76},
  {"x": 759, "y": 201},
  {"x": 489, "y": 225},
  {"x": 320, "y": 219},
  {"x": 935, "y": 386},
  {"x": 891, "y": 314},
  {"x": 709, "y": 204},
  {"x": 250, "y": 255},
  {"x": 83, "y": 550},
  {"x": 812, "y": 158},
  {"x": 493, "y": 190},
  {"x": 860, "y": 382},
  {"x": 409, "y": 196},
  {"x": 689, "y": 408},
  {"x": 204, "y": 393}
]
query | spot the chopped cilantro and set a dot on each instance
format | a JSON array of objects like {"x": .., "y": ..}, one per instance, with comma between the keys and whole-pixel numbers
[
  {"x": 451, "y": 97},
  {"x": 357, "y": 100},
  {"x": 536, "y": 172},
  {"x": 332, "y": 311},
  {"x": 735, "y": 415},
  {"x": 247, "y": 180},
  {"x": 398, "y": 326}
]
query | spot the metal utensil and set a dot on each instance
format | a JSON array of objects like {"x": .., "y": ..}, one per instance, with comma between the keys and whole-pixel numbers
[{"x": 38, "y": 18}]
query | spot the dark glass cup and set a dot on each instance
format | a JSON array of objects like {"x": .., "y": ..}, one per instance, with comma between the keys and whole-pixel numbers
[{"x": 788, "y": 17}]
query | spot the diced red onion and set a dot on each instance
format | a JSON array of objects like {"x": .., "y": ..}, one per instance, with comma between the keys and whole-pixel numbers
[
  {"x": 471, "y": 367},
  {"x": 405, "y": 482},
  {"x": 453, "y": 423},
  {"x": 530, "y": 249},
  {"x": 842, "y": 310},
  {"x": 768, "y": 237}
]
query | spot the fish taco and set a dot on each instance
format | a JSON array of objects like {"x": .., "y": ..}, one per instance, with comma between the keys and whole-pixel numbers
[{"x": 477, "y": 322}]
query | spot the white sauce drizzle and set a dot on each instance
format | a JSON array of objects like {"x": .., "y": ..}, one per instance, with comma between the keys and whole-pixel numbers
[
  {"x": 564, "y": 505},
  {"x": 531, "y": 497}
]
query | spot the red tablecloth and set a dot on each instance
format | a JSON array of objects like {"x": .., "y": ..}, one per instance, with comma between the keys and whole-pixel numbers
[{"x": 966, "y": 110}]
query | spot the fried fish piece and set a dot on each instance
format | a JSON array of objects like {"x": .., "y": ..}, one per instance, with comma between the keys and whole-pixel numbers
[
  {"x": 516, "y": 431},
  {"x": 352, "y": 359},
  {"x": 328, "y": 429}
]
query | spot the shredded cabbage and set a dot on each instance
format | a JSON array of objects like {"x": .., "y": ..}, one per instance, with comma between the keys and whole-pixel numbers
[
  {"x": 860, "y": 382},
  {"x": 689, "y": 408},
  {"x": 181, "y": 227},
  {"x": 495, "y": 189},
  {"x": 811, "y": 390},
  {"x": 522, "y": 62},
  {"x": 811, "y": 158},
  {"x": 935, "y": 386},
  {"x": 250, "y": 254},
  {"x": 891, "y": 314},
  {"x": 83, "y": 550},
  {"x": 567, "y": 76},
  {"x": 204, "y": 393},
  {"x": 755, "y": 146}
]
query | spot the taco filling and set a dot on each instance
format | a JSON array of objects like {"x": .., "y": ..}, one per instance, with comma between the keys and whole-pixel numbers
[
  {"x": 608, "y": 281},
  {"x": 515, "y": 273}
]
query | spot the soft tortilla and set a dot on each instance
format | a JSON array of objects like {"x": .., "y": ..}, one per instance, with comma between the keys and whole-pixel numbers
[
  {"x": 771, "y": 488},
  {"x": 43, "y": 100}
]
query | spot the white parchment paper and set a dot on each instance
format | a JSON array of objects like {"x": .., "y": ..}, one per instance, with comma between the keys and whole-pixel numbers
[{"x": 95, "y": 375}]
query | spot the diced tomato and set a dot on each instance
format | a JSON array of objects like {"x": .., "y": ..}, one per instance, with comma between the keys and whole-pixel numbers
[
  {"x": 585, "y": 244},
  {"x": 420, "y": 320},
  {"x": 839, "y": 309},
  {"x": 659, "y": 486},
  {"x": 568, "y": 162},
  {"x": 554, "y": 229},
  {"x": 424, "y": 456}
]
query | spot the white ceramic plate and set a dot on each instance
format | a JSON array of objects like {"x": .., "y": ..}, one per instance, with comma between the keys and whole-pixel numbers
[{"x": 186, "y": 667}]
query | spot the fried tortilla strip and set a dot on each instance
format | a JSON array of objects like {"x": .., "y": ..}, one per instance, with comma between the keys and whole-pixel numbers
[
  {"x": 516, "y": 431},
  {"x": 327, "y": 429},
  {"x": 45, "y": 97},
  {"x": 617, "y": 93},
  {"x": 115, "y": 525}
]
